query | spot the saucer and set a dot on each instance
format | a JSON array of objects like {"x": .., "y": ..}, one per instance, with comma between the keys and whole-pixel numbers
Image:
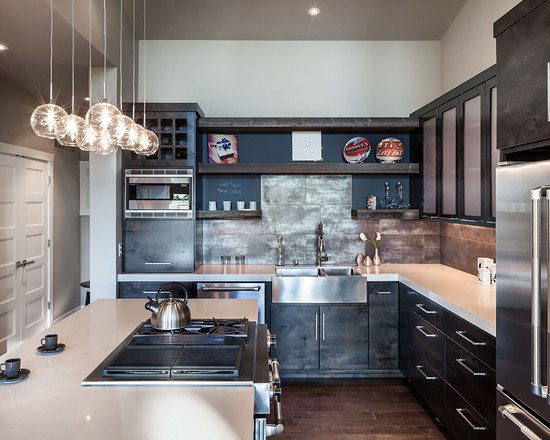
[
  {"x": 23, "y": 374},
  {"x": 42, "y": 349}
]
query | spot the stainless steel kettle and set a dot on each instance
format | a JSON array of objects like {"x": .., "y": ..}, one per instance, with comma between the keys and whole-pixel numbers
[{"x": 169, "y": 314}]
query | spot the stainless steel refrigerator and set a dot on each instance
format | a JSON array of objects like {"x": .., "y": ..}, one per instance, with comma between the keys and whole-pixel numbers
[{"x": 523, "y": 296}]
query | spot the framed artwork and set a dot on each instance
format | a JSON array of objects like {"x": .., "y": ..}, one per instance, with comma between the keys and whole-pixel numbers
[
  {"x": 223, "y": 148},
  {"x": 306, "y": 146}
]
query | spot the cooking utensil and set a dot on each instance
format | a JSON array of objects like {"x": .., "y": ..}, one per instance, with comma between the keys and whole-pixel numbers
[{"x": 169, "y": 314}]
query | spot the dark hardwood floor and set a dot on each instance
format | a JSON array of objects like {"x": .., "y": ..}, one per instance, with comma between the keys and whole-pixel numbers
[{"x": 369, "y": 409}]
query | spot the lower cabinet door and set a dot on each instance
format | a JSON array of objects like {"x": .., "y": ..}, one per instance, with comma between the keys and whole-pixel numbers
[
  {"x": 344, "y": 337},
  {"x": 463, "y": 421},
  {"x": 383, "y": 326},
  {"x": 428, "y": 384},
  {"x": 297, "y": 331}
]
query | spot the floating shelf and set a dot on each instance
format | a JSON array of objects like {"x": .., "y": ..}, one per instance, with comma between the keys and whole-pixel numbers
[
  {"x": 403, "y": 214},
  {"x": 386, "y": 125},
  {"x": 309, "y": 168},
  {"x": 228, "y": 215}
]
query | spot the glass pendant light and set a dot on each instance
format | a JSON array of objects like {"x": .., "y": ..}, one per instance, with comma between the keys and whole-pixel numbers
[
  {"x": 102, "y": 114},
  {"x": 103, "y": 143},
  {"x": 120, "y": 129},
  {"x": 88, "y": 138},
  {"x": 70, "y": 128},
  {"x": 44, "y": 118}
]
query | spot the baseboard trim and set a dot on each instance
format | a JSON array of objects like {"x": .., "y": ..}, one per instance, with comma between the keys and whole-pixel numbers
[{"x": 65, "y": 315}]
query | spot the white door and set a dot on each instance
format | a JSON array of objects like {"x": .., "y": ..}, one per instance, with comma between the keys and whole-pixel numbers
[
  {"x": 9, "y": 221},
  {"x": 23, "y": 248},
  {"x": 33, "y": 249}
]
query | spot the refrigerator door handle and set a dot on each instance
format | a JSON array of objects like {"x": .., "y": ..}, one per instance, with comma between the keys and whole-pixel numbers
[
  {"x": 537, "y": 388},
  {"x": 509, "y": 412}
]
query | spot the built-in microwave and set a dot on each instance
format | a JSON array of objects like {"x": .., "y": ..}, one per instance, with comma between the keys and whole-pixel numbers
[{"x": 159, "y": 193}]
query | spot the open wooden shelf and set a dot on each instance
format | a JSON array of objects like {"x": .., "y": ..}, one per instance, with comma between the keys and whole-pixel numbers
[
  {"x": 403, "y": 214},
  {"x": 309, "y": 168},
  {"x": 372, "y": 125},
  {"x": 228, "y": 215}
]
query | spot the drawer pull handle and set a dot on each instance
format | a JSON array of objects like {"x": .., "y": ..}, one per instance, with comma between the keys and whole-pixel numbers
[
  {"x": 421, "y": 371},
  {"x": 384, "y": 292},
  {"x": 462, "y": 413},
  {"x": 462, "y": 363},
  {"x": 154, "y": 292},
  {"x": 149, "y": 263},
  {"x": 462, "y": 334},
  {"x": 425, "y": 310},
  {"x": 509, "y": 412},
  {"x": 428, "y": 335}
]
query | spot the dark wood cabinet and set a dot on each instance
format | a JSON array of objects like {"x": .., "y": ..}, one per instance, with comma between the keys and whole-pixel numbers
[
  {"x": 144, "y": 290},
  {"x": 159, "y": 246},
  {"x": 523, "y": 54},
  {"x": 321, "y": 337},
  {"x": 428, "y": 342},
  {"x": 428, "y": 384},
  {"x": 344, "y": 337},
  {"x": 297, "y": 330},
  {"x": 383, "y": 326},
  {"x": 404, "y": 355}
]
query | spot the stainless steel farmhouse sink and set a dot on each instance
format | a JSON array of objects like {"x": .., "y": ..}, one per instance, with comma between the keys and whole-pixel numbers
[{"x": 315, "y": 284}]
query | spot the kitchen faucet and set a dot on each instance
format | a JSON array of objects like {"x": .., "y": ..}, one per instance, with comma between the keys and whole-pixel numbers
[{"x": 320, "y": 251}]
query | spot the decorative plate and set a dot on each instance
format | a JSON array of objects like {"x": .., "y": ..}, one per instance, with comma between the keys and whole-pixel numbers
[
  {"x": 390, "y": 150},
  {"x": 356, "y": 150}
]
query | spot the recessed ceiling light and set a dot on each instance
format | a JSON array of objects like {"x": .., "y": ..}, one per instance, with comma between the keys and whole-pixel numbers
[
  {"x": 3, "y": 47},
  {"x": 314, "y": 11},
  {"x": 87, "y": 98}
]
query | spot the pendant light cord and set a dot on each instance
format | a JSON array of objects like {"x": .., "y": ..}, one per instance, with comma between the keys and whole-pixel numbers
[
  {"x": 51, "y": 51},
  {"x": 90, "y": 54},
  {"x": 120, "y": 57},
  {"x": 143, "y": 69},
  {"x": 72, "y": 60},
  {"x": 104, "y": 52},
  {"x": 134, "y": 60}
]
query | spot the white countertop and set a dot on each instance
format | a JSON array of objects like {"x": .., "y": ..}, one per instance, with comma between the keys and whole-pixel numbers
[
  {"x": 52, "y": 404},
  {"x": 453, "y": 289}
]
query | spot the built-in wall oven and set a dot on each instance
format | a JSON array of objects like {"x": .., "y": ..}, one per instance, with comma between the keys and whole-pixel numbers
[
  {"x": 233, "y": 291},
  {"x": 159, "y": 193}
]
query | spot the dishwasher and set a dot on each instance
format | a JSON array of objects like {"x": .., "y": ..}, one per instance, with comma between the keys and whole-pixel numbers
[{"x": 235, "y": 291}]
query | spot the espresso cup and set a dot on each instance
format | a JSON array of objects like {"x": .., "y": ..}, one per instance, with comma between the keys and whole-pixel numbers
[
  {"x": 227, "y": 205},
  {"x": 49, "y": 342},
  {"x": 11, "y": 368},
  {"x": 240, "y": 206}
]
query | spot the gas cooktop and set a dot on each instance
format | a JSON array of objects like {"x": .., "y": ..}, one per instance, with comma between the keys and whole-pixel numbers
[{"x": 213, "y": 350}]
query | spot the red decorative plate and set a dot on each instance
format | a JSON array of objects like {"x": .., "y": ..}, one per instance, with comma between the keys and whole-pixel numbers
[
  {"x": 356, "y": 150},
  {"x": 390, "y": 150}
]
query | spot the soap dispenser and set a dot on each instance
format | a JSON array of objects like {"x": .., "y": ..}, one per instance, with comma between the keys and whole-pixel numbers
[{"x": 280, "y": 252}]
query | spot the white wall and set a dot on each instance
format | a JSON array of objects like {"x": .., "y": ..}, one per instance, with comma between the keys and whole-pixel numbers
[
  {"x": 293, "y": 78},
  {"x": 468, "y": 46}
]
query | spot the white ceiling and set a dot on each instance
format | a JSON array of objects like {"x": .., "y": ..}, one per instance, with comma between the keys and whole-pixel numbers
[{"x": 288, "y": 19}]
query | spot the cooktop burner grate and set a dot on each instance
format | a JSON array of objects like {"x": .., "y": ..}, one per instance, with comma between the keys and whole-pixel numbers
[
  {"x": 208, "y": 360},
  {"x": 146, "y": 358}
]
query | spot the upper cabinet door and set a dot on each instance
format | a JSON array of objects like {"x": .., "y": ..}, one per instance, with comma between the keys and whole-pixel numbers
[
  {"x": 471, "y": 157},
  {"x": 523, "y": 54},
  {"x": 448, "y": 175},
  {"x": 430, "y": 166}
]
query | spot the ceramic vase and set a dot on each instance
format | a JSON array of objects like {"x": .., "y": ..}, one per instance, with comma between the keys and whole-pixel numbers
[
  {"x": 376, "y": 259},
  {"x": 368, "y": 261}
]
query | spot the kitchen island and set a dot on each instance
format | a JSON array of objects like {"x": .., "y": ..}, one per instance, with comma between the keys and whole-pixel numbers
[{"x": 52, "y": 404}]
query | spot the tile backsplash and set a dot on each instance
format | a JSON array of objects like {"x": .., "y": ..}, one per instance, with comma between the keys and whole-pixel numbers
[{"x": 292, "y": 205}]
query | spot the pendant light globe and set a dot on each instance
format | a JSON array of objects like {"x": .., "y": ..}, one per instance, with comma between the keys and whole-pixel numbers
[
  {"x": 120, "y": 132},
  {"x": 102, "y": 114},
  {"x": 103, "y": 144},
  {"x": 134, "y": 136},
  {"x": 149, "y": 143},
  {"x": 88, "y": 137},
  {"x": 69, "y": 130},
  {"x": 44, "y": 119}
]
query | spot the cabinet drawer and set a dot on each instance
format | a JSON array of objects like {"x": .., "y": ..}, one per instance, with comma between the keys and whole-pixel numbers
[
  {"x": 430, "y": 311},
  {"x": 144, "y": 290},
  {"x": 428, "y": 384},
  {"x": 474, "y": 380},
  {"x": 384, "y": 288},
  {"x": 473, "y": 339},
  {"x": 463, "y": 421},
  {"x": 428, "y": 342}
]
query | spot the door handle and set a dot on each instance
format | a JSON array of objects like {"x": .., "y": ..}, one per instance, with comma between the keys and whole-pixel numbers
[
  {"x": 230, "y": 289},
  {"x": 462, "y": 334},
  {"x": 428, "y": 335},
  {"x": 316, "y": 326},
  {"x": 19, "y": 264},
  {"x": 28, "y": 263},
  {"x": 548, "y": 89},
  {"x": 537, "y": 387},
  {"x": 462, "y": 413},
  {"x": 509, "y": 412},
  {"x": 421, "y": 371},
  {"x": 323, "y": 326},
  {"x": 425, "y": 310},
  {"x": 463, "y": 364}
]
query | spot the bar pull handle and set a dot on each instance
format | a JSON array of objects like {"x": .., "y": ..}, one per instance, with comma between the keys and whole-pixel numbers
[
  {"x": 425, "y": 310},
  {"x": 463, "y": 364},
  {"x": 316, "y": 326},
  {"x": 537, "y": 388},
  {"x": 150, "y": 263},
  {"x": 509, "y": 412},
  {"x": 230, "y": 289},
  {"x": 420, "y": 369},
  {"x": 463, "y": 335},
  {"x": 548, "y": 89},
  {"x": 323, "y": 326},
  {"x": 428, "y": 335},
  {"x": 154, "y": 292},
  {"x": 462, "y": 413}
]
